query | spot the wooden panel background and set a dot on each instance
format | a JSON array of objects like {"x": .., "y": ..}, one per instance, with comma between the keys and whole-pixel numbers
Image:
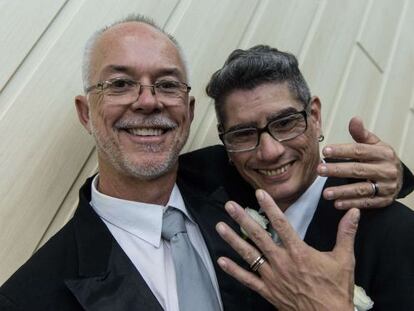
[{"x": 358, "y": 56}]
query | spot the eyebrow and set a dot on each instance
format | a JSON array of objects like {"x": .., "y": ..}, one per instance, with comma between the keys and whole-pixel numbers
[
  {"x": 281, "y": 113},
  {"x": 169, "y": 71}
]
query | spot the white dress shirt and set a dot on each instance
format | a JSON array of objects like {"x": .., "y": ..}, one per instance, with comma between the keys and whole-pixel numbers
[
  {"x": 300, "y": 213},
  {"x": 137, "y": 228}
]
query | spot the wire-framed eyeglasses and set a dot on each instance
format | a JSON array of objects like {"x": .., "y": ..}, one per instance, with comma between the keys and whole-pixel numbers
[
  {"x": 281, "y": 129},
  {"x": 124, "y": 90}
]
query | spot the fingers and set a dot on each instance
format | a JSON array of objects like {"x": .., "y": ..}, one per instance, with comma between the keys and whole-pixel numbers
[
  {"x": 364, "y": 203},
  {"x": 359, "y": 151},
  {"x": 254, "y": 231},
  {"x": 242, "y": 247},
  {"x": 360, "y": 134},
  {"x": 359, "y": 170},
  {"x": 245, "y": 277},
  {"x": 359, "y": 190},
  {"x": 280, "y": 224},
  {"x": 346, "y": 234}
]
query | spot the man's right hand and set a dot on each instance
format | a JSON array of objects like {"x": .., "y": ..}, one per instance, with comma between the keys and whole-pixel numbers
[{"x": 294, "y": 275}]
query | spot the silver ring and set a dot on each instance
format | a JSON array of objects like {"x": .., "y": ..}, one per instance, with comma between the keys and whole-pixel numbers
[
  {"x": 375, "y": 188},
  {"x": 257, "y": 263}
]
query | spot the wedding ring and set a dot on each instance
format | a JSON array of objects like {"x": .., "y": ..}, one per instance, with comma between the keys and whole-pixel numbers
[
  {"x": 257, "y": 263},
  {"x": 375, "y": 188}
]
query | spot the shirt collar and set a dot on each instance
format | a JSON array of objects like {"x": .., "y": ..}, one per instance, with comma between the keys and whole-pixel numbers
[
  {"x": 300, "y": 213},
  {"x": 142, "y": 220}
]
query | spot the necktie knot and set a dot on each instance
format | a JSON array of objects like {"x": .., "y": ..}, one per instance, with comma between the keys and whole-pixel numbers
[{"x": 172, "y": 223}]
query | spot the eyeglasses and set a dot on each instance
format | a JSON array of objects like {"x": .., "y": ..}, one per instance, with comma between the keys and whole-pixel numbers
[
  {"x": 281, "y": 129},
  {"x": 124, "y": 91}
]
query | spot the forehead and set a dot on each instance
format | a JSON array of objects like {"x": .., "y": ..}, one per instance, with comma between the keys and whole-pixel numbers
[
  {"x": 137, "y": 49},
  {"x": 259, "y": 104}
]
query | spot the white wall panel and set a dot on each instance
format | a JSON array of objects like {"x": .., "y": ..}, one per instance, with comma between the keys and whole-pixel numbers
[
  {"x": 380, "y": 28},
  {"x": 357, "y": 55},
  {"x": 280, "y": 23},
  {"x": 358, "y": 98},
  {"x": 328, "y": 54},
  {"x": 21, "y": 30},
  {"x": 394, "y": 103}
]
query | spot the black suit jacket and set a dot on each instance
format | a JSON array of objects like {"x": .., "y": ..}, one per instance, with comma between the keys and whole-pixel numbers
[
  {"x": 384, "y": 245},
  {"x": 83, "y": 268}
]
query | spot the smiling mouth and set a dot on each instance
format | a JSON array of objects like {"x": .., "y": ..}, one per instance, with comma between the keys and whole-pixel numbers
[
  {"x": 146, "y": 131},
  {"x": 277, "y": 171}
]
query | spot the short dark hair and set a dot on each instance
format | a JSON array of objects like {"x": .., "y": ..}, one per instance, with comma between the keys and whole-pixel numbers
[{"x": 247, "y": 69}]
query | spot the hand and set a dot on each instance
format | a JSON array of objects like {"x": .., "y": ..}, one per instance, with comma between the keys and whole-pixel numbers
[
  {"x": 294, "y": 276},
  {"x": 373, "y": 160}
]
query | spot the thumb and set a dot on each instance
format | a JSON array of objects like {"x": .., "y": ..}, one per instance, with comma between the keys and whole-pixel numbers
[
  {"x": 346, "y": 232},
  {"x": 360, "y": 134}
]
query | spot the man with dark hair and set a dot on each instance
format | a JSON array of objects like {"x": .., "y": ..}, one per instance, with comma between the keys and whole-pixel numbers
[
  {"x": 271, "y": 129},
  {"x": 142, "y": 237}
]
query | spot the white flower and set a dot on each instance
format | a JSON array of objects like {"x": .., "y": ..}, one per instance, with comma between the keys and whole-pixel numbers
[
  {"x": 260, "y": 219},
  {"x": 361, "y": 300}
]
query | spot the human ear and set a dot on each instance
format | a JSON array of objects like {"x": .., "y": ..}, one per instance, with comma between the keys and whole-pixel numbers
[{"x": 82, "y": 108}]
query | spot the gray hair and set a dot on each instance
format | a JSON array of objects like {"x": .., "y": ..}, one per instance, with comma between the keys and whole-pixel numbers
[
  {"x": 90, "y": 44},
  {"x": 247, "y": 69}
]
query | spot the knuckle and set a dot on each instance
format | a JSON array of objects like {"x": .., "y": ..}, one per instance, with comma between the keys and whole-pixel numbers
[
  {"x": 389, "y": 153},
  {"x": 249, "y": 283},
  {"x": 248, "y": 255},
  {"x": 393, "y": 173},
  {"x": 361, "y": 190},
  {"x": 256, "y": 234},
  {"x": 367, "y": 204},
  {"x": 359, "y": 150},
  {"x": 359, "y": 170},
  {"x": 278, "y": 222}
]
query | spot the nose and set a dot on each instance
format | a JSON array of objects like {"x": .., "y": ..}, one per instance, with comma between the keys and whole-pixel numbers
[
  {"x": 269, "y": 149},
  {"x": 146, "y": 101}
]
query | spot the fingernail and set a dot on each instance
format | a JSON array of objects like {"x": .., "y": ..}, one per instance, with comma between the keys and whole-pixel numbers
[
  {"x": 220, "y": 228},
  {"x": 355, "y": 216},
  {"x": 222, "y": 263},
  {"x": 323, "y": 169},
  {"x": 230, "y": 208},
  {"x": 260, "y": 195},
  {"x": 327, "y": 151},
  {"x": 339, "y": 205},
  {"x": 329, "y": 195}
]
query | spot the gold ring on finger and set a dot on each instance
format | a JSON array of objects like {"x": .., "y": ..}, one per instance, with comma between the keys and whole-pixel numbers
[{"x": 257, "y": 263}]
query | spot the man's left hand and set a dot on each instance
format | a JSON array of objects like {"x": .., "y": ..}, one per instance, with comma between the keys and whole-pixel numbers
[
  {"x": 373, "y": 161},
  {"x": 293, "y": 276}
]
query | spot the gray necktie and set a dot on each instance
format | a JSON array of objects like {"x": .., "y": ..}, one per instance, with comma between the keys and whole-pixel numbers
[{"x": 194, "y": 287}]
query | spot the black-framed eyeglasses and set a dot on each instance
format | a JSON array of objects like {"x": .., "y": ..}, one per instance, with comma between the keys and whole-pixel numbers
[
  {"x": 281, "y": 129},
  {"x": 124, "y": 90}
]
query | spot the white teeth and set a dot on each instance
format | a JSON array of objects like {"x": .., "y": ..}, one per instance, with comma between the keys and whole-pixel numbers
[
  {"x": 145, "y": 131},
  {"x": 275, "y": 172}
]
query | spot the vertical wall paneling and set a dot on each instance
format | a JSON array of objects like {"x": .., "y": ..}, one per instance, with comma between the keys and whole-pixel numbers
[
  {"x": 18, "y": 18},
  {"x": 380, "y": 29},
  {"x": 395, "y": 100},
  {"x": 358, "y": 56},
  {"x": 328, "y": 54}
]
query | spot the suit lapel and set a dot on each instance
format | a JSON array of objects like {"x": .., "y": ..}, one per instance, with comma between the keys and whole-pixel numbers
[{"x": 107, "y": 278}]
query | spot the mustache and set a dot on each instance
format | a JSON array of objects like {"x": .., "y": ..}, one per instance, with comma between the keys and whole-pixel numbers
[{"x": 157, "y": 121}]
